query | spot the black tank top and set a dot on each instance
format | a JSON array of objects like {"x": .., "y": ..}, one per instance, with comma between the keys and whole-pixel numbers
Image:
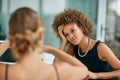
[{"x": 91, "y": 60}]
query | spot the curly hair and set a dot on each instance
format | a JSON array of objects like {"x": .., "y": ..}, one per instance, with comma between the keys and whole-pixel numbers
[
  {"x": 25, "y": 26},
  {"x": 73, "y": 16}
]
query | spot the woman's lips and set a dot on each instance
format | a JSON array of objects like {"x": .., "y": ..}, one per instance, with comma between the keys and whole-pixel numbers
[{"x": 73, "y": 40}]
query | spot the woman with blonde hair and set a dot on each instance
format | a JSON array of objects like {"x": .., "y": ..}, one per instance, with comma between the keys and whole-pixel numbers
[{"x": 26, "y": 34}]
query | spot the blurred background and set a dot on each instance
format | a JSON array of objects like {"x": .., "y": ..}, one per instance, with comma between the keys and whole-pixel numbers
[{"x": 105, "y": 15}]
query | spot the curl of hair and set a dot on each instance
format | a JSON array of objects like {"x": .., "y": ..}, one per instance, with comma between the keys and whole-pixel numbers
[
  {"x": 23, "y": 43},
  {"x": 73, "y": 16}
]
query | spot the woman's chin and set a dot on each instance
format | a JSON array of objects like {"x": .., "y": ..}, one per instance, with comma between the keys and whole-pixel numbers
[{"x": 74, "y": 43}]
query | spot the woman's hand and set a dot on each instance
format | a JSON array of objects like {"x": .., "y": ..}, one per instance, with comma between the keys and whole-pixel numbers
[
  {"x": 92, "y": 75},
  {"x": 63, "y": 38},
  {"x": 60, "y": 31}
]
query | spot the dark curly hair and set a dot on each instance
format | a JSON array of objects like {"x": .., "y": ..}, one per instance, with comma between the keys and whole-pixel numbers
[{"x": 73, "y": 16}]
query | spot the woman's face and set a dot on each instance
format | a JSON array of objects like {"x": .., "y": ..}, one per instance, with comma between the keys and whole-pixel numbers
[{"x": 73, "y": 33}]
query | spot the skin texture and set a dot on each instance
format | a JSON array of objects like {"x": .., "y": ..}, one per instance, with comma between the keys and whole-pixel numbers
[{"x": 26, "y": 35}]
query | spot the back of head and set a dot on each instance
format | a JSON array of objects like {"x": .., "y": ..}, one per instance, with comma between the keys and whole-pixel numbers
[{"x": 25, "y": 25}]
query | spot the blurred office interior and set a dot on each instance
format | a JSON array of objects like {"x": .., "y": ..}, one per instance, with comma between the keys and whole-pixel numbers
[{"x": 105, "y": 15}]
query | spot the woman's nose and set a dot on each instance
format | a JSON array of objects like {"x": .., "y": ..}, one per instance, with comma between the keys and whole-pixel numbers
[{"x": 70, "y": 35}]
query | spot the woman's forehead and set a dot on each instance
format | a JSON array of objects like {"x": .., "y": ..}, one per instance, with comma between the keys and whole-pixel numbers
[{"x": 70, "y": 26}]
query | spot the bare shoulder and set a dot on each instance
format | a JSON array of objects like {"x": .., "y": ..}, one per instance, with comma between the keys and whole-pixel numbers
[
  {"x": 107, "y": 54},
  {"x": 104, "y": 50},
  {"x": 2, "y": 71},
  {"x": 2, "y": 66},
  {"x": 68, "y": 72}
]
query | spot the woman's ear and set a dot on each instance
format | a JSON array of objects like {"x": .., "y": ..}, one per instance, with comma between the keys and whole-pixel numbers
[
  {"x": 82, "y": 29},
  {"x": 41, "y": 38}
]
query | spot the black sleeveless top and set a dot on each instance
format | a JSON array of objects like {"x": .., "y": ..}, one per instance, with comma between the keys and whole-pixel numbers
[{"x": 91, "y": 60}]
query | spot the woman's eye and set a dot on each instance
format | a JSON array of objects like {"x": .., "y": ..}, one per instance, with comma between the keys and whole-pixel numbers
[
  {"x": 65, "y": 35},
  {"x": 72, "y": 30}
]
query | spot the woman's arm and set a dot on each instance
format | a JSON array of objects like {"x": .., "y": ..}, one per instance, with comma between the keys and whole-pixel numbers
[
  {"x": 63, "y": 38},
  {"x": 62, "y": 46},
  {"x": 107, "y": 75},
  {"x": 4, "y": 46},
  {"x": 104, "y": 75},
  {"x": 106, "y": 54},
  {"x": 69, "y": 51},
  {"x": 68, "y": 65},
  {"x": 64, "y": 57}
]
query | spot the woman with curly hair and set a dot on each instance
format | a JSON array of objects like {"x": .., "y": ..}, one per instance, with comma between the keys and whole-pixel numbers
[
  {"x": 26, "y": 34},
  {"x": 73, "y": 27}
]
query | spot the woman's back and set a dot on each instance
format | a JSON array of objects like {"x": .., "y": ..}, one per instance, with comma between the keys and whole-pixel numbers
[
  {"x": 68, "y": 72},
  {"x": 40, "y": 71},
  {"x": 23, "y": 71}
]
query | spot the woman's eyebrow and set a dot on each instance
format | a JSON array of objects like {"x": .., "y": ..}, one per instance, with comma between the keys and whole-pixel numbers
[
  {"x": 72, "y": 28},
  {"x": 69, "y": 29}
]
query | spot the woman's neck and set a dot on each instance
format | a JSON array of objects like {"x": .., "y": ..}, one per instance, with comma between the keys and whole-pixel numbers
[
  {"x": 29, "y": 58},
  {"x": 83, "y": 45}
]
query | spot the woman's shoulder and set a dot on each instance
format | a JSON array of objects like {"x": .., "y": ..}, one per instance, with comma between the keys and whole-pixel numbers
[
  {"x": 2, "y": 67},
  {"x": 4, "y": 64},
  {"x": 68, "y": 72},
  {"x": 96, "y": 44},
  {"x": 70, "y": 49},
  {"x": 2, "y": 71}
]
